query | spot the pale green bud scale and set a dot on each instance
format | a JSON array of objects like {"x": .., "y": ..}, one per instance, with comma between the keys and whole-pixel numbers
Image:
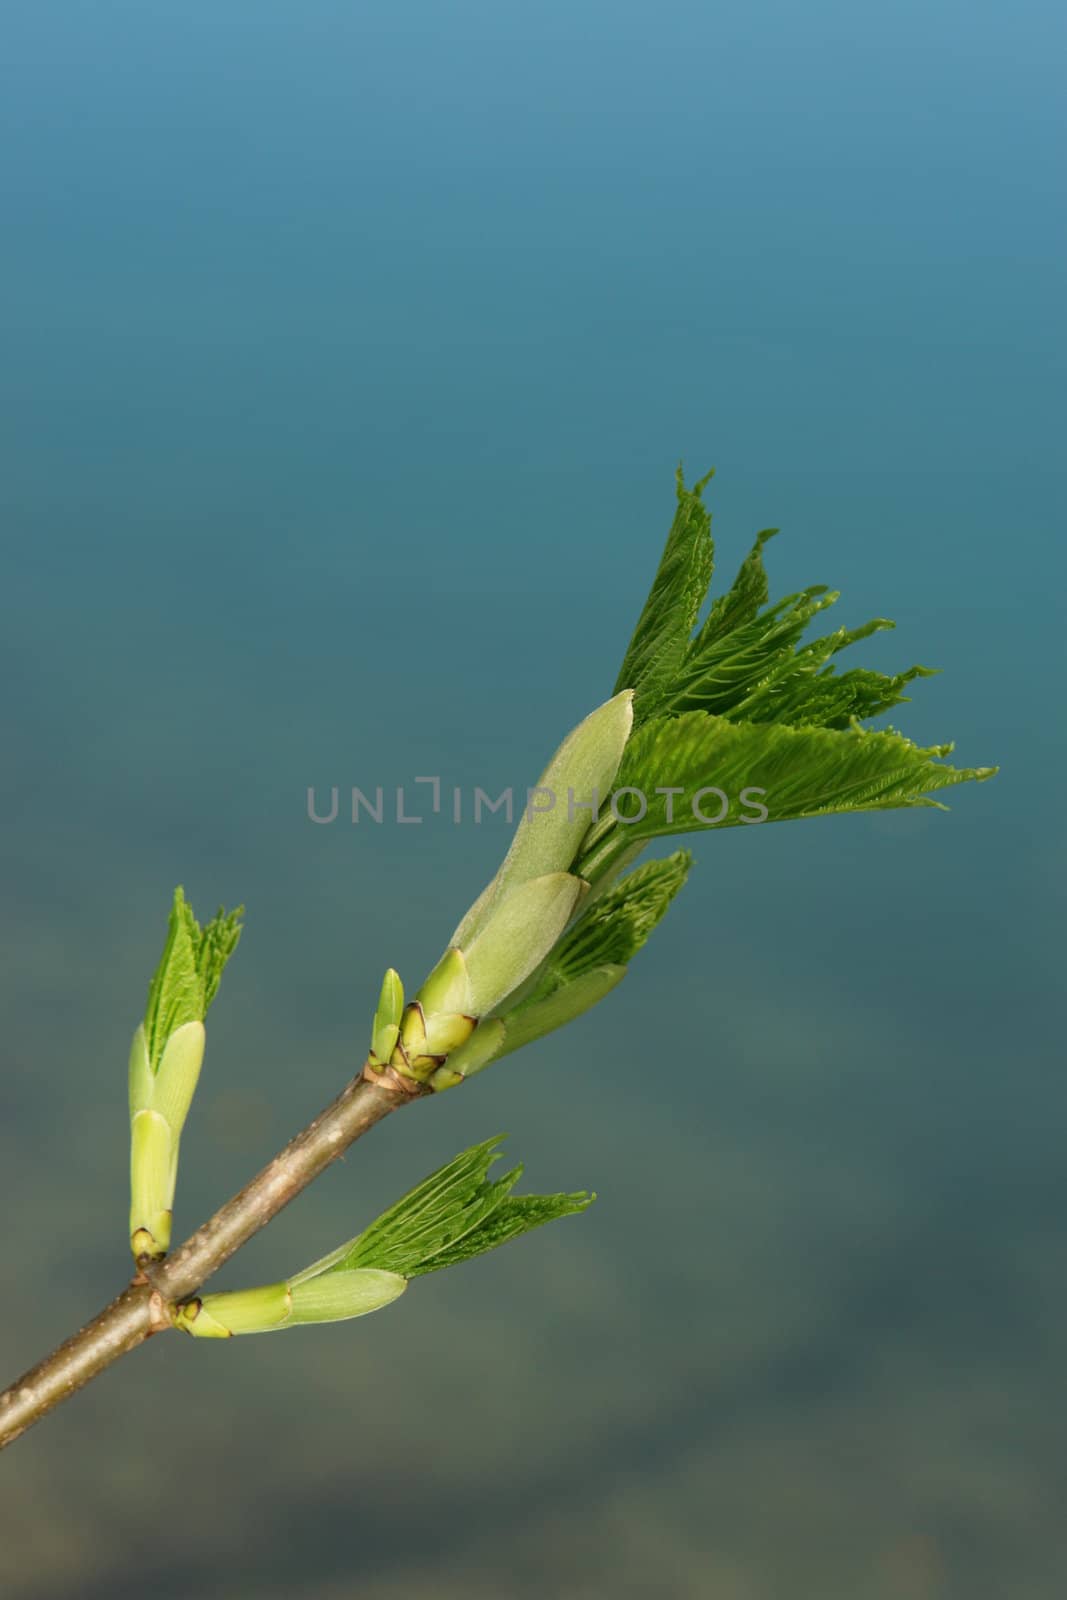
[
  {"x": 221, "y": 1316},
  {"x": 446, "y": 1032},
  {"x": 517, "y": 935},
  {"x": 339, "y": 1296},
  {"x": 178, "y": 1072},
  {"x": 448, "y": 986},
  {"x": 142, "y": 1078},
  {"x": 538, "y": 1017},
  {"x": 335, "y": 1297},
  {"x": 483, "y": 1046},
  {"x": 153, "y": 1151},
  {"x": 548, "y": 838}
]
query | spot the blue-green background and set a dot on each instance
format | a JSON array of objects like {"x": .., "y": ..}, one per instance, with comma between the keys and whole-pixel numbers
[{"x": 348, "y": 353}]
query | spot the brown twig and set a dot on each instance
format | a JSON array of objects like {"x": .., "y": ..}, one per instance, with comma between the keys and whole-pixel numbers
[{"x": 141, "y": 1309}]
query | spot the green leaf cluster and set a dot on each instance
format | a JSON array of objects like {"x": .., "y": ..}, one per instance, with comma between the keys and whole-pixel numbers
[
  {"x": 742, "y": 702},
  {"x": 189, "y": 972},
  {"x": 660, "y": 643},
  {"x": 746, "y": 661},
  {"x": 453, "y": 1215}
]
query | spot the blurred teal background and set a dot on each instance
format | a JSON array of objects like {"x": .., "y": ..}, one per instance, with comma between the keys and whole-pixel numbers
[{"x": 349, "y": 351}]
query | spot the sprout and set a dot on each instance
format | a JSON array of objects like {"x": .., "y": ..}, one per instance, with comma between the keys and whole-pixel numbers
[{"x": 165, "y": 1061}]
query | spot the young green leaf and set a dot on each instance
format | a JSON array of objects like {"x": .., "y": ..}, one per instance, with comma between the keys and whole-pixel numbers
[
  {"x": 445, "y": 1220},
  {"x": 748, "y": 592},
  {"x": 657, "y": 650},
  {"x": 728, "y": 773},
  {"x": 760, "y": 672},
  {"x": 187, "y": 978},
  {"x": 746, "y": 661},
  {"x": 617, "y": 923}
]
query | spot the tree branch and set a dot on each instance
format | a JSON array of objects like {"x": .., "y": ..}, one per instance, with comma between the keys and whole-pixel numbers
[{"x": 141, "y": 1309}]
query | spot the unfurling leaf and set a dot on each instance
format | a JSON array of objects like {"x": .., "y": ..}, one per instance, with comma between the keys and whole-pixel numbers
[
  {"x": 165, "y": 1061},
  {"x": 188, "y": 975},
  {"x": 726, "y": 773},
  {"x": 657, "y": 650},
  {"x": 452, "y": 1216}
]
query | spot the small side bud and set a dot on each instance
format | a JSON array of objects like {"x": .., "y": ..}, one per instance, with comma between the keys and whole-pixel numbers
[
  {"x": 425, "y": 1041},
  {"x": 387, "y": 1017}
]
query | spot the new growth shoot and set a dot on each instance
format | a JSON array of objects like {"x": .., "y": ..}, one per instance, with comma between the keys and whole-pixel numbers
[{"x": 721, "y": 715}]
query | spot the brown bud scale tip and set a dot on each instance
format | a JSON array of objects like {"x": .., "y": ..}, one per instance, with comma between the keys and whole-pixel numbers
[{"x": 388, "y": 1077}]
